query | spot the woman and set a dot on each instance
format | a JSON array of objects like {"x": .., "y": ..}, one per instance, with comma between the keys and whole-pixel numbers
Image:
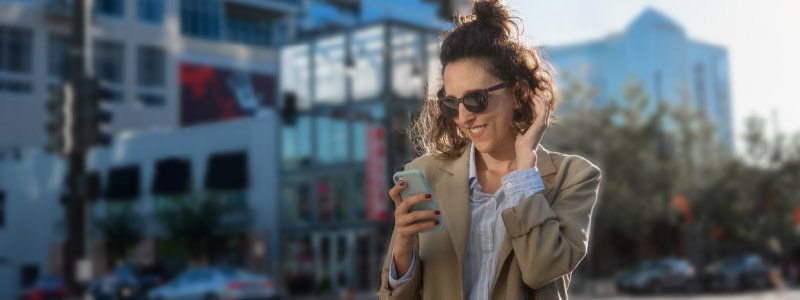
[
  {"x": 517, "y": 215},
  {"x": 774, "y": 259}
]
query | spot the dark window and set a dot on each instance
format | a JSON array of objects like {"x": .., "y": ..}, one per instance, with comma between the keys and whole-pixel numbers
[
  {"x": 15, "y": 60},
  {"x": 108, "y": 61},
  {"x": 173, "y": 177},
  {"x": 58, "y": 56},
  {"x": 109, "y": 65},
  {"x": 227, "y": 171},
  {"x": 150, "y": 67},
  {"x": 2, "y": 209},
  {"x": 247, "y": 25},
  {"x": 150, "y": 76},
  {"x": 114, "y": 8},
  {"x": 28, "y": 275},
  {"x": 201, "y": 18},
  {"x": 123, "y": 183},
  {"x": 151, "y": 11}
]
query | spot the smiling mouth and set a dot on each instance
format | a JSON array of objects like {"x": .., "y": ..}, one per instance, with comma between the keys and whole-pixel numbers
[{"x": 477, "y": 129}]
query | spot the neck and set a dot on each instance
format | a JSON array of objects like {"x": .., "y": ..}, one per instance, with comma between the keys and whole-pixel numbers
[{"x": 502, "y": 160}]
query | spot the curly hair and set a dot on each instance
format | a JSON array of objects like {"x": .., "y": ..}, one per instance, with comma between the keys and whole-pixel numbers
[{"x": 493, "y": 36}]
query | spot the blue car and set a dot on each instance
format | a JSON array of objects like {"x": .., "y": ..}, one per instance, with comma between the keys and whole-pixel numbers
[{"x": 216, "y": 283}]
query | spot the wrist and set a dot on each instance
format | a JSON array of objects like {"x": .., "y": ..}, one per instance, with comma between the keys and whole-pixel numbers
[{"x": 401, "y": 253}]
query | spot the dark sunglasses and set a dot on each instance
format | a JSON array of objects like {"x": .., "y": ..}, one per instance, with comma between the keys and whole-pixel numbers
[{"x": 474, "y": 101}]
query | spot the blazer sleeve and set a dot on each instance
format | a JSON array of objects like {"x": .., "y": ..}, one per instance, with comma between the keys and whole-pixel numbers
[
  {"x": 407, "y": 290},
  {"x": 549, "y": 240}
]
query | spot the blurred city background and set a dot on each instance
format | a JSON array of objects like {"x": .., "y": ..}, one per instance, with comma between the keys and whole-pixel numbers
[{"x": 226, "y": 149}]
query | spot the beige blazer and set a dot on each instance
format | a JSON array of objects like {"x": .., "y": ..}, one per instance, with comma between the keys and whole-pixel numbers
[{"x": 547, "y": 233}]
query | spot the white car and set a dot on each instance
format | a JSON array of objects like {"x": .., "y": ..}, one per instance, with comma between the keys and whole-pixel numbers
[{"x": 216, "y": 284}]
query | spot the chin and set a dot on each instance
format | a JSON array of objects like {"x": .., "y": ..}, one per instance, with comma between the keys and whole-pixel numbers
[{"x": 483, "y": 146}]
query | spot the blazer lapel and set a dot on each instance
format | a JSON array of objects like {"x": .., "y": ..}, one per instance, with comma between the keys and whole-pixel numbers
[
  {"x": 546, "y": 170},
  {"x": 452, "y": 195}
]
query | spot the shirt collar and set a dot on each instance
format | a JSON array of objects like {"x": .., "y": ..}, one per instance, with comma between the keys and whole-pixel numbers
[
  {"x": 474, "y": 185},
  {"x": 473, "y": 174}
]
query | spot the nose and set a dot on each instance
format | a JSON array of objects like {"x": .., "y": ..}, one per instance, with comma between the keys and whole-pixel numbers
[{"x": 464, "y": 115}]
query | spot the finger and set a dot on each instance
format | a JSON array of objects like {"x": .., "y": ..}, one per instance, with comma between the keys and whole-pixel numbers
[
  {"x": 410, "y": 201},
  {"x": 420, "y": 215},
  {"x": 416, "y": 228},
  {"x": 394, "y": 193}
]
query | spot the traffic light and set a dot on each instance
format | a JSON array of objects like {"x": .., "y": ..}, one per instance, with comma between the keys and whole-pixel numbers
[
  {"x": 289, "y": 112},
  {"x": 60, "y": 120},
  {"x": 94, "y": 115}
]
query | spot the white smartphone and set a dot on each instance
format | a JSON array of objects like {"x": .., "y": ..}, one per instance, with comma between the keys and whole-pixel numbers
[{"x": 416, "y": 184}]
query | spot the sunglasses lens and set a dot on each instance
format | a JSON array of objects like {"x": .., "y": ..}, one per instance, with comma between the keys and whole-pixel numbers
[
  {"x": 475, "y": 102},
  {"x": 449, "y": 107}
]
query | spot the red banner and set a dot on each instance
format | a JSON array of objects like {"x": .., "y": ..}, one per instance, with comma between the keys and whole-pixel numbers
[
  {"x": 210, "y": 94},
  {"x": 376, "y": 189}
]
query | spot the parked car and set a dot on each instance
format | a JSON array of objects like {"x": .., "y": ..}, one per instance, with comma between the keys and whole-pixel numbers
[
  {"x": 45, "y": 288},
  {"x": 121, "y": 284},
  {"x": 736, "y": 273},
  {"x": 658, "y": 276},
  {"x": 216, "y": 283}
]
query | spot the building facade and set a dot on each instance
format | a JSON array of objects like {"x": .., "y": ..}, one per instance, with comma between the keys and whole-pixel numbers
[
  {"x": 201, "y": 85},
  {"x": 654, "y": 52}
]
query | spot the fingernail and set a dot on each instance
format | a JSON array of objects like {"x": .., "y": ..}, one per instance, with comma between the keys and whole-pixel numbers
[
  {"x": 427, "y": 196},
  {"x": 435, "y": 222},
  {"x": 436, "y": 212},
  {"x": 402, "y": 184}
]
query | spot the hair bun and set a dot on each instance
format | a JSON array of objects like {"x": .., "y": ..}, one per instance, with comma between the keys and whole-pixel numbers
[{"x": 493, "y": 14}]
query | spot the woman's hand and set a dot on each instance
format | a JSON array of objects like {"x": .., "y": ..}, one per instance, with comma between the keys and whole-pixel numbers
[
  {"x": 405, "y": 230},
  {"x": 527, "y": 143}
]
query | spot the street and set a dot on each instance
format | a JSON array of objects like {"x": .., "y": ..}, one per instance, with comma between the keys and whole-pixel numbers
[{"x": 762, "y": 295}]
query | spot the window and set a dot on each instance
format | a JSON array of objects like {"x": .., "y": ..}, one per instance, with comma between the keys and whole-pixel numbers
[
  {"x": 150, "y": 73},
  {"x": 15, "y": 60},
  {"x": 332, "y": 193},
  {"x": 58, "y": 57},
  {"x": 123, "y": 183},
  {"x": 296, "y": 205},
  {"x": 109, "y": 65},
  {"x": 112, "y": 8},
  {"x": 173, "y": 177},
  {"x": 2, "y": 209},
  {"x": 201, "y": 18},
  {"x": 151, "y": 11},
  {"x": 700, "y": 87},
  {"x": 332, "y": 140},
  {"x": 296, "y": 144},
  {"x": 246, "y": 25},
  {"x": 227, "y": 171},
  {"x": 27, "y": 275}
]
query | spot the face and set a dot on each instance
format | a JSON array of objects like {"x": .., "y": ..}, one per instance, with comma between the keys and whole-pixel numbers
[{"x": 490, "y": 130}]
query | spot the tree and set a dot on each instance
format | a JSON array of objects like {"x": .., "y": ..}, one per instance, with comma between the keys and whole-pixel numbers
[
  {"x": 199, "y": 225},
  {"x": 121, "y": 231}
]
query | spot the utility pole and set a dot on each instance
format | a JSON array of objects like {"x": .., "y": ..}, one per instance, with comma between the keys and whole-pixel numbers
[{"x": 75, "y": 250}]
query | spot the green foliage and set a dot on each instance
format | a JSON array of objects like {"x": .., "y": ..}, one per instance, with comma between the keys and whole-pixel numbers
[
  {"x": 199, "y": 225},
  {"x": 649, "y": 152},
  {"x": 121, "y": 230}
]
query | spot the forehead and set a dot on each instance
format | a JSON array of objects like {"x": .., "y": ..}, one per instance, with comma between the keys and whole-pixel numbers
[{"x": 466, "y": 75}]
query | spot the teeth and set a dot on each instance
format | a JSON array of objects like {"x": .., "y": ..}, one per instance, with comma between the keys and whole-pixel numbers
[{"x": 477, "y": 129}]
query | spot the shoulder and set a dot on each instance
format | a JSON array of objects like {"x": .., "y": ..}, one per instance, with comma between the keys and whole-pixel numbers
[
  {"x": 573, "y": 169},
  {"x": 426, "y": 163}
]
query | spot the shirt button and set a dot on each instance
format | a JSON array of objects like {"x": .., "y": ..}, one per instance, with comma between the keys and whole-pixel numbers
[{"x": 509, "y": 184}]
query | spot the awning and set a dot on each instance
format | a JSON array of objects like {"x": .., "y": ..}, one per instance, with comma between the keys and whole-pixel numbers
[
  {"x": 123, "y": 183},
  {"x": 227, "y": 171},
  {"x": 173, "y": 176}
]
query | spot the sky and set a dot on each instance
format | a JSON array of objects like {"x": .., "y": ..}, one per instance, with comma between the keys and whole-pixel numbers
[{"x": 762, "y": 38}]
